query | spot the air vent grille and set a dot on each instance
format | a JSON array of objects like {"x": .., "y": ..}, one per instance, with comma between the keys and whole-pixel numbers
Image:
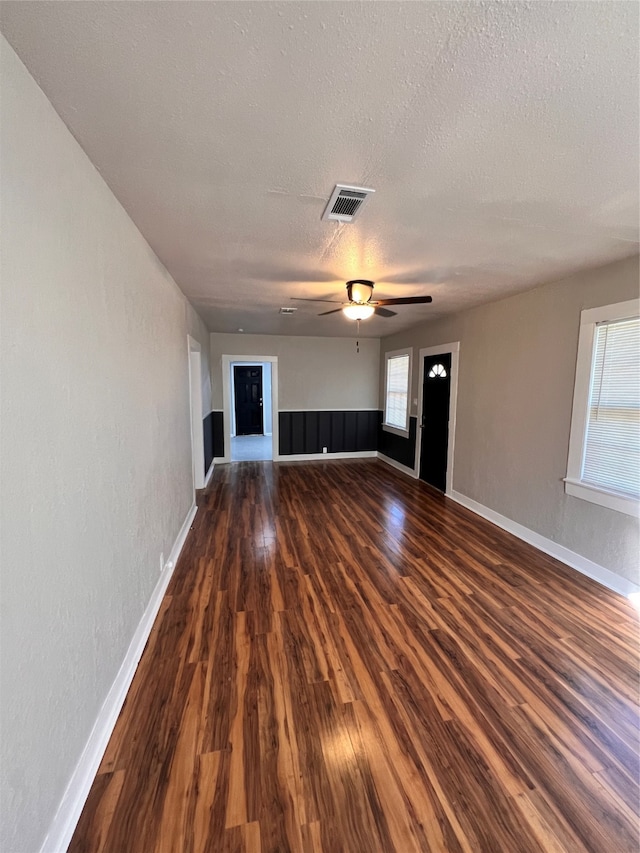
[
  {"x": 288, "y": 311},
  {"x": 346, "y": 202}
]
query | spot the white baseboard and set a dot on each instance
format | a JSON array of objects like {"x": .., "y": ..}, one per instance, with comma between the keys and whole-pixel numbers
[
  {"x": 70, "y": 808},
  {"x": 209, "y": 474},
  {"x": 586, "y": 567},
  {"x": 324, "y": 457},
  {"x": 398, "y": 465}
]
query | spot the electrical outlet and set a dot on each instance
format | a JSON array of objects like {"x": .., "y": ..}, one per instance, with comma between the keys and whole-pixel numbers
[
  {"x": 161, "y": 562},
  {"x": 325, "y": 450}
]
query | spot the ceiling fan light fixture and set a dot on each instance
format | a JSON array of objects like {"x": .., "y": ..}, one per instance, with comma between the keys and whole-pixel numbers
[
  {"x": 359, "y": 290},
  {"x": 355, "y": 311}
]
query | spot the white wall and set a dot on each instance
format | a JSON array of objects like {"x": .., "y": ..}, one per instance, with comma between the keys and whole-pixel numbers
[
  {"x": 515, "y": 393},
  {"x": 199, "y": 331},
  {"x": 313, "y": 373},
  {"x": 95, "y": 452}
]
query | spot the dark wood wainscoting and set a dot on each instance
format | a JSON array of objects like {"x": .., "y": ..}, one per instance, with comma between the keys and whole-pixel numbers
[
  {"x": 217, "y": 433},
  {"x": 397, "y": 447},
  {"x": 339, "y": 431},
  {"x": 207, "y": 428}
]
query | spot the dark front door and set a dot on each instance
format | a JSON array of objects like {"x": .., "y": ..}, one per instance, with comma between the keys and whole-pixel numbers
[
  {"x": 248, "y": 385},
  {"x": 436, "y": 390}
]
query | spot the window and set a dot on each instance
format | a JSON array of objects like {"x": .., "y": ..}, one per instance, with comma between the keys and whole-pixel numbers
[
  {"x": 438, "y": 371},
  {"x": 604, "y": 448},
  {"x": 397, "y": 388}
]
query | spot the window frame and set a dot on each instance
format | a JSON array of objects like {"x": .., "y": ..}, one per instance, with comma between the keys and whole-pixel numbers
[
  {"x": 573, "y": 483},
  {"x": 398, "y": 353}
]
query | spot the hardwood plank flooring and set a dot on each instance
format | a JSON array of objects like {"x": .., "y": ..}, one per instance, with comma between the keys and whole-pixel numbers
[{"x": 346, "y": 661}]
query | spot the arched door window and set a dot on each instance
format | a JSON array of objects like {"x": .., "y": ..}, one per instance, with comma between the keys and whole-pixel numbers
[{"x": 438, "y": 371}]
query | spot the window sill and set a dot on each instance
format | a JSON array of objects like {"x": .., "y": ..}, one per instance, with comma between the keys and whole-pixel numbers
[
  {"x": 596, "y": 495},
  {"x": 395, "y": 430}
]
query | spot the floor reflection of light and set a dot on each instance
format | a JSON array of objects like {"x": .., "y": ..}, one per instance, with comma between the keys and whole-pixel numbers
[
  {"x": 268, "y": 529},
  {"x": 338, "y": 750},
  {"x": 395, "y": 514},
  {"x": 634, "y": 598},
  {"x": 269, "y": 547},
  {"x": 393, "y": 519},
  {"x": 264, "y": 530}
]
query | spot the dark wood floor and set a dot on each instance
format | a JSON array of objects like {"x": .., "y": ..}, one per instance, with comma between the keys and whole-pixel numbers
[{"x": 347, "y": 661}]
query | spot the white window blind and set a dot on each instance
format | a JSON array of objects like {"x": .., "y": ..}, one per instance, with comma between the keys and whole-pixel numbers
[
  {"x": 612, "y": 442},
  {"x": 397, "y": 391}
]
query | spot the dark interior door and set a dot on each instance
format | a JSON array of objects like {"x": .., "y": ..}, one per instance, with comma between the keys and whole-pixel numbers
[
  {"x": 248, "y": 393},
  {"x": 436, "y": 390}
]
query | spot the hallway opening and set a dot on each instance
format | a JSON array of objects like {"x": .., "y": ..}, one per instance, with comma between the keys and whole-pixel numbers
[{"x": 250, "y": 417}]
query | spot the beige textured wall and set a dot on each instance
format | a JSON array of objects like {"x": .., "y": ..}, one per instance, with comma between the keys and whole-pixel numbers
[
  {"x": 515, "y": 392},
  {"x": 198, "y": 330},
  {"x": 96, "y": 447},
  {"x": 313, "y": 373}
]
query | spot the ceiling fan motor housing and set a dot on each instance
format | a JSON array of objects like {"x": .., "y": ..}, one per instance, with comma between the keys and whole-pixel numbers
[{"x": 359, "y": 290}]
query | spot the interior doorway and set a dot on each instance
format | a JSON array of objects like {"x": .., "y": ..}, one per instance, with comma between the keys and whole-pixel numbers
[
  {"x": 438, "y": 381},
  {"x": 250, "y": 429},
  {"x": 248, "y": 404}
]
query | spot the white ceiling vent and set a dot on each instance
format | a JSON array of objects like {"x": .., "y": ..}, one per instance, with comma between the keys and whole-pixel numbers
[
  {"x": 346, "y": 202},
  {"x": 288, "y": 311}
]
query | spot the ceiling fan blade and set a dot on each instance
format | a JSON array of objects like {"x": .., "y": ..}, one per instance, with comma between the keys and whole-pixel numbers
[
  {"x": 307, "y": 299},
  {"x": 333, "y": 311},
  {"x": 404, "y": 300},
  {"x": 384, "y": 312}
]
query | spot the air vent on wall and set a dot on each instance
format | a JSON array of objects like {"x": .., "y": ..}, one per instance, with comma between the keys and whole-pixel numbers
[
  {"x": 288, "y": 311},
  {"x": 346, "y": 202}
]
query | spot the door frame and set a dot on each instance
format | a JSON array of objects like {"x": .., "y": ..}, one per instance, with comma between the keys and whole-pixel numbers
[
  {"x": 454, "y": 349},
  {"x": 195, "y": 412},
  {"x": 234, "y": 392},
  {"x": 227, "y": 361},
  {"x": 267, "y": 401}
]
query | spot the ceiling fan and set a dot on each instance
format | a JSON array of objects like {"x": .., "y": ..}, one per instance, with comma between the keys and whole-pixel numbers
[{"x": 360, "y": 305}]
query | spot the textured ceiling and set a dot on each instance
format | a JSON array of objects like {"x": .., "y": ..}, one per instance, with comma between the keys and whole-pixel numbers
[{"x": 501, "y": 140}]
